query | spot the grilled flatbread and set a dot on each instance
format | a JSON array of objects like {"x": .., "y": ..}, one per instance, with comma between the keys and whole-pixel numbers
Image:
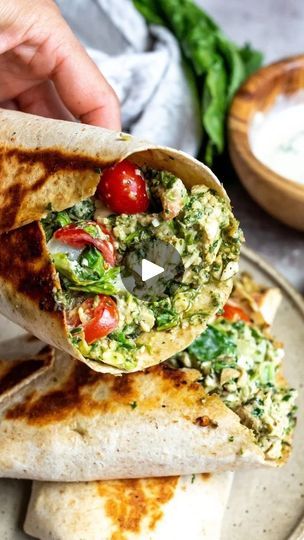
[
  {"x": 53, "y": 165},
  {"x": 151, "y": 509},
  {"x": 78, "y": 425},
  {"x": 160, "y": 422}
]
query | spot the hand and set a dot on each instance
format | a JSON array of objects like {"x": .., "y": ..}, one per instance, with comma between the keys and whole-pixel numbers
[{"x": 44, "y": 69}]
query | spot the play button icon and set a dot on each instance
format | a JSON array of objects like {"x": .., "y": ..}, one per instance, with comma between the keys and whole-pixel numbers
[{"x": 150, "y": 269}]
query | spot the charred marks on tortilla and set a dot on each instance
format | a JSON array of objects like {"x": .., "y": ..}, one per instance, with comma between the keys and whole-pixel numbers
[
  {"x": 131, "y": 503},
  {"x": 174, "y": 375},
  {"x": 40, "y": 288},
  {"x": 18, "y": 372},
  {"x": 11, "y": 201},
  {"x": 74, "y": 394},
  {"x": 52, "y": 161},
  {"x": 205, "y": 421},
  {"x": 23, "y": 263},
  {"x": 20, "y": 410},
  {"x": 123, "y": 387},
  {"x": 26, "y": 243},
  {"x": 55, "y": 160}
]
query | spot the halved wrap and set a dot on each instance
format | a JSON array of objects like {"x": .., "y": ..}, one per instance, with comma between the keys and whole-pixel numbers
[
  {"x": 152, "y": 508},
  {"x": 75, "y": 424},
  {"x": 60, "y": 278},
  {"x": 234, "y": 410}
]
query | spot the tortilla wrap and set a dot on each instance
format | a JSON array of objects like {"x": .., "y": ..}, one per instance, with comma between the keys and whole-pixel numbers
[
  {"x": 53, "y": 164},
  {"x": 75, "y": 425},
  {"x": 151, "y": 509}
]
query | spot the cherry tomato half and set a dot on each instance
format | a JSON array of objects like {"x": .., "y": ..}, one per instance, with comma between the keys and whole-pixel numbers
[
  {"x": 234, "y": 313},
  {"x": 76, "y": 237},
  {"x": 123, "y": 189},
  {"x": 103, "y": 318}
]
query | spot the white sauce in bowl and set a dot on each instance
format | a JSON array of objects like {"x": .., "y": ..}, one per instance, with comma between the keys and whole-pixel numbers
[{"x": 277, "y": 137}]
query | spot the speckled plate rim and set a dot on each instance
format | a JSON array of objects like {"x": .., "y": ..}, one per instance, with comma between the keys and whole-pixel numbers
[{"x": 298, "y": 301}]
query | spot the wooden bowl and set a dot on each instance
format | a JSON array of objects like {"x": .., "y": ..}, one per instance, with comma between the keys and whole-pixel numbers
[{"x": 282, "y": 198}]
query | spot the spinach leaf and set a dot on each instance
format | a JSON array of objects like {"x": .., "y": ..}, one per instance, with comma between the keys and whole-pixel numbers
[
  {"x": 165, "y": 315},
  {"x": 122, "y": 339},
  {"x": 218, "y": 65},
  {"x": 149, "y": 8},
  {"x": 251, "y": 58},
  {"x": 83, "y": 210},
  {"x": 214, "y": 104},
  {"x": 54, "y": 221},
  {"x": 212, "y": 344}
]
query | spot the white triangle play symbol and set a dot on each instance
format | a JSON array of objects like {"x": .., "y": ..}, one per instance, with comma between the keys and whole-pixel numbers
[{"x": 150, "y": 270}]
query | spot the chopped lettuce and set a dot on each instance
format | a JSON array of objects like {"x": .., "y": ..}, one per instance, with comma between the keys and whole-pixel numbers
[
  {"x": 242, "y": 365},
  {"x": 88, "y": 274},
  {"x": 213, "y": 343}
]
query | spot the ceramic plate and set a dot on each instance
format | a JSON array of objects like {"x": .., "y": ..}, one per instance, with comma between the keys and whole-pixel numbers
[{"x": 264, "y": 504}]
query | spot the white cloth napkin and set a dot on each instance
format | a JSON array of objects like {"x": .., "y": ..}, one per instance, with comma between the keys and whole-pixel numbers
[{"x": 144, "y": 66}]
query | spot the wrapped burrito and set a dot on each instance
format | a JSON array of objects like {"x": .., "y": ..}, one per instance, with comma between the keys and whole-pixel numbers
[
  {"x": 151, "y": 509},
  {"x": 234, "y": 410},
  {"x": 79, "y": 206},
  {"x": 154, "y": 508}
]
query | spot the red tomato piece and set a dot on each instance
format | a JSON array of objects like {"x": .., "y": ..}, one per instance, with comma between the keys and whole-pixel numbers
[
  {"x": 234, "y": 313},
  {"x": 77, "y": 237},
  {"x": 123, "y": 189},
  {"x": 103, "y": 318}
]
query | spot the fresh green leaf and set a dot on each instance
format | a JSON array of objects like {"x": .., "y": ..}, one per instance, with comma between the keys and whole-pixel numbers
[
  {"x": 89, "y": 278},
  {"x": 211, "y": 344},
  {"x": 234, "y": 65},
  {"x": 218, "y": 65},
  {"x": 91, "y": 260},
  {"x": 148, "y": 9},
  {"x": 55, "y": 220},
  {"x": 251, "y": 58},
  {"x": 165, "y": 315},
  {"x": 105, "y": 285},
  {"x": 122, "y": 339},
  {"x": 215, "y": 103},
  {"x": 166, "y": 320}
]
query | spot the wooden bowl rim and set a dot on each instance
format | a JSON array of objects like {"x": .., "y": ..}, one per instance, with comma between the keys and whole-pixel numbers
[{"x": 254, "y": 82}]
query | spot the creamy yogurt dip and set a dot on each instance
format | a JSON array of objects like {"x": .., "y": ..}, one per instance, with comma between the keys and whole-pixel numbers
[{"x": 277, "y": 137}]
